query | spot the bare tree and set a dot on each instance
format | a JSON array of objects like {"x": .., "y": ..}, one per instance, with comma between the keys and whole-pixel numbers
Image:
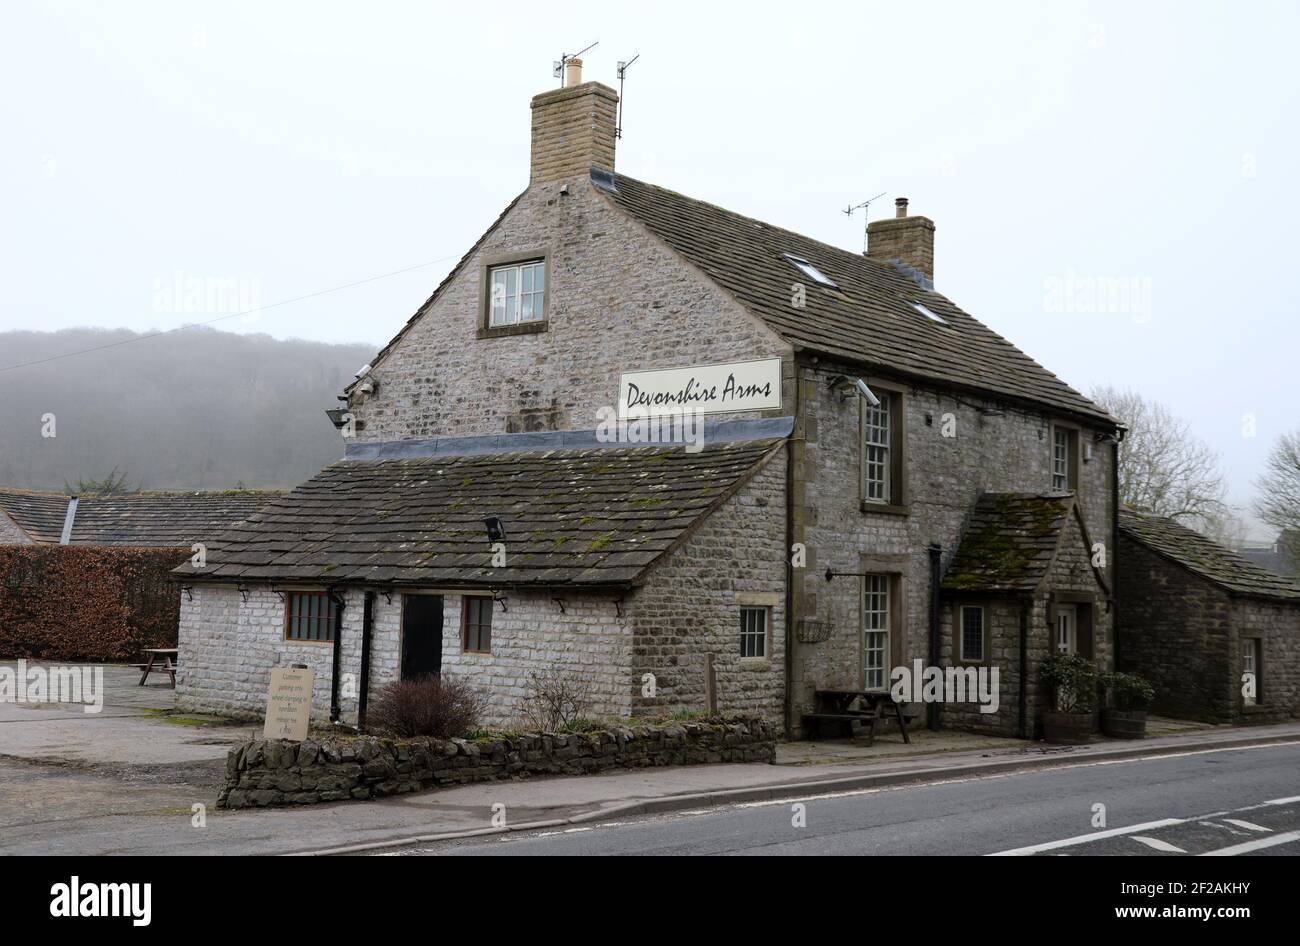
[
  {"x": 1278, "y": 503},
  {"x": 1163, "y": 468}
]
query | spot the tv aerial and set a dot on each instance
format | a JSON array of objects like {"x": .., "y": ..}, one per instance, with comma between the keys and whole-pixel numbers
[
  {"x": 622, "y": 71},
  {"x": 557, "y": 68},
  {"x": 865, "y": 207}
]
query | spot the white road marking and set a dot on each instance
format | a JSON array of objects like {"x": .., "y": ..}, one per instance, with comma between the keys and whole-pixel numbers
[
  {"x": 1255, "y": 845},
  {"x": 1158, "y": 845},
  {"x": 1248, "y": 825},
  {"x": 1284, "y": 801},
  {"x": 1085, "y": 838}
]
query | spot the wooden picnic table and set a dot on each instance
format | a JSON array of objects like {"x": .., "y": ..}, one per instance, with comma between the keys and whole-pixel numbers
[
  {"x": 168, "y": 654},
  {"x": 836, "y": 707}
]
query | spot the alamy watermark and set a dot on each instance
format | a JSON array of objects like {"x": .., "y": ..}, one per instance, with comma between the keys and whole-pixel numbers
[
  {"x": 674, "y": 427},
  {"x": 921, "y": 684},
  {"x": 39, "y": 683},
  {"x": 1104, "y": 295}
]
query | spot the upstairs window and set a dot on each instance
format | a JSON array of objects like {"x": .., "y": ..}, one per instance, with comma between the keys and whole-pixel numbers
[
  {"x": 518, "y": 293},
  {"x": 1065, "y": 470},
  {"x": 878, "y": 443},
  {"x": 811, "y": 271}
]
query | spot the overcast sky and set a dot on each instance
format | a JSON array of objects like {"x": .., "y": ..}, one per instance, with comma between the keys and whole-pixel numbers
[{"x": 1061, "y": 148}]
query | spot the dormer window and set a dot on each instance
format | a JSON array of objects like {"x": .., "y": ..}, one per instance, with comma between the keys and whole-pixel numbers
[
  {"x": 811, "y": 271},
  {"x": 518, "y": 293}
]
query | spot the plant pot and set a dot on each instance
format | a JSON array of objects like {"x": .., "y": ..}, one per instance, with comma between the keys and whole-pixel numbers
[
  {"x": 1124, "y": 724},
  {"x": 1067, "y": 729}
]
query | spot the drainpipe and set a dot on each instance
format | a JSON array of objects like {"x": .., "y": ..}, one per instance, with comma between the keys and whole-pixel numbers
[
  {"x": 1113, "y": 551},
  {"x": 1024, "y": 667},
  {"x": 339, "y": 606},
  {"x": 367, "y": 622},
  {"x": 936, "y": 553}
]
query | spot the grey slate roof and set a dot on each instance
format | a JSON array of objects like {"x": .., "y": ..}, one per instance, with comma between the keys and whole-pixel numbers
[
  {"x": 1206, "y": 558},
  {"x": 870, "y": 320},
  {"x": 1009, "y": 543},
  {"x": 39, "y": 514},
  {"x": 572, "y": 517},
  {"x": 152, "y": 519}
]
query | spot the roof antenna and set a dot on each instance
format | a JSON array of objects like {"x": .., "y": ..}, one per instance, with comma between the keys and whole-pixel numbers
[
  {"x": 622, "y": 71},
  {"x": 557, "y": 68},
  {"x": 865, "y": 207}
]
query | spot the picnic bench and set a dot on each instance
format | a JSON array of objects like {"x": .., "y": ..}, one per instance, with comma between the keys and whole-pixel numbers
[
  {"x": 836, "y": 712},
  {"x": 168, "y": 655}
]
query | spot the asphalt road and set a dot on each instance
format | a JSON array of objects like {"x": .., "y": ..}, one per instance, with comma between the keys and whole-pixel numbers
[{"x": 1238, "y": 802}]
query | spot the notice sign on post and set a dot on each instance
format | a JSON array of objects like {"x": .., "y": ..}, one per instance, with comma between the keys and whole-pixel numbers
[
  {"x": 288, "y": 704},
  {"x": 707, "y": 389}
]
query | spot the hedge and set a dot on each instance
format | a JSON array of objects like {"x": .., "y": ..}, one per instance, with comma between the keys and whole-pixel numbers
[{"x": 83, "y": 603}]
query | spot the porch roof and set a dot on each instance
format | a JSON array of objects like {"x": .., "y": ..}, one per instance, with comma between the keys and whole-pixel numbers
[{"x": 1009, "y": 543}]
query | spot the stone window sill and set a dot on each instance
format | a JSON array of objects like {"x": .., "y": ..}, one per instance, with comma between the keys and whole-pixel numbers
[
  {"x": 505, "y": 331},
  {"x": 755, "y": 663},
  {"x": 886, "y": 509}
]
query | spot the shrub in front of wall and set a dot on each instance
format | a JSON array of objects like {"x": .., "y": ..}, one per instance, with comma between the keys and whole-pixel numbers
[{"x": 431, "y": 706}]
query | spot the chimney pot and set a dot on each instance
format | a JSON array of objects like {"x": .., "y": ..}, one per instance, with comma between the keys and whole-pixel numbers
[
  {"x": 572, "y": 73},
  {"x": 900, "y": 207}
]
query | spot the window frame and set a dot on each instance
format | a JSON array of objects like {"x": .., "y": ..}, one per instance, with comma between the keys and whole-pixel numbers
[
  {"x": 894, "y": 399},
  {"x": 1256, "y": 645},
  {"x": 1071, "y": 458},
  {"x": 885, "y": 628},
  {"x": 488, "y": 266},
  {"x": 959, "y": 634},
  {"x": 329, "y": 617},
  {"x": 479, "y": 625},
  {"x": 764, "y": 636}
]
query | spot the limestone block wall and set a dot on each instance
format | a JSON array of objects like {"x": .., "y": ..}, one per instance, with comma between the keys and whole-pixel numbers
[{"x": 690, "y": 607}]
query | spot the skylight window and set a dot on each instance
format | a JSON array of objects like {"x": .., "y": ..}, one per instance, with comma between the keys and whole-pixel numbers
[
  {"x": 809, "y": 270},
  {"x": 928, "y": 314}
]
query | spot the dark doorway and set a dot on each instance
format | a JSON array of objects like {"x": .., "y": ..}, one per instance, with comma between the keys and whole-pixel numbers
[{"x": 421, "y": 636}]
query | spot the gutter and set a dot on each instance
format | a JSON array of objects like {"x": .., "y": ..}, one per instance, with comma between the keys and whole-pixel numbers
[{"x": 1114, "y": 551}]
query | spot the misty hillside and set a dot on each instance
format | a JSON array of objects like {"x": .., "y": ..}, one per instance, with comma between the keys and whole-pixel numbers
[{"x": 192, "y": 409}]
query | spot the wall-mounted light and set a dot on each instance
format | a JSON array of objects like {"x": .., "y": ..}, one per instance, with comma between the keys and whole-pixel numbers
[
  {"x": 848, "y": 387},
  {"x": 1087, "y": 451},
  {"x": 503, "y": 601}
]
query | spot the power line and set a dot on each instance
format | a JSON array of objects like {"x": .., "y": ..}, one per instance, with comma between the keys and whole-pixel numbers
[{"x": 222, "y": 318}]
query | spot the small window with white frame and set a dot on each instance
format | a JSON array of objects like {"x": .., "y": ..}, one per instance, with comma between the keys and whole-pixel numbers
[
  {"x": 753, "y": 632},
  {"x": 972, "y": 634},
  {"x": 1250, "y": 671},
  {"x": 875, "y": 631},
  {"x": 1064, "y": 469},
  {"x": 811, "y": 271},
  {"x": 517, "y": 293},
  {"x": 877, "y": 458}
]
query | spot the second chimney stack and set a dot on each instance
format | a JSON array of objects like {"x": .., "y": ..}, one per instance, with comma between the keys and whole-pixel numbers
[
  {"x": 904, "y": 239},
  {"x": 573, "y": 128}
]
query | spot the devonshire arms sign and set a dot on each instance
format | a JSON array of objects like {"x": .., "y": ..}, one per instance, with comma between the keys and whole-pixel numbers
[{"x": 706, "y": 389}]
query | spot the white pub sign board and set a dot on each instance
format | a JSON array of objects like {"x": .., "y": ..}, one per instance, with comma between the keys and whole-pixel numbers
[{"x": 702, "y": 389}]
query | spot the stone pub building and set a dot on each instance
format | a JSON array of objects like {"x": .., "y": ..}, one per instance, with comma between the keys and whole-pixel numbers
[{"x": 882, "y": 478}]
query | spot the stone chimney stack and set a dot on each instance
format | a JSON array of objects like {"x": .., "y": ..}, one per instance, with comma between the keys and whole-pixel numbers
[
  {"x": 573, "y": 128},
  {"x": 907, "y": 240}
]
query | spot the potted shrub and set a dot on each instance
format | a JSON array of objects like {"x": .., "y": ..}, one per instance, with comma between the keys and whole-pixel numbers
[
  {"x": 1073, "y": 683},
  {"x": 1130, "y": 697}
]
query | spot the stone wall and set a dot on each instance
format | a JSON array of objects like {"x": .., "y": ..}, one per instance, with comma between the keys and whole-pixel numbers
[
  {"x": 229, "y": 647},
  {"x": 1277, "y": 625},
  {"x": 945, "y": 475},
  {"x": 275, "y": 772},
  {"x": 690, "y": 607},
  {"x": 619, "y": 300},
  {"x": 1176, "y": 630}
]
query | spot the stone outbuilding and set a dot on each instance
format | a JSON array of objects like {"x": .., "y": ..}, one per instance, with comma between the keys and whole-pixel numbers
[
  {"x": 1022, "y": 586},
  {"x": 1201, "y": 623}
]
